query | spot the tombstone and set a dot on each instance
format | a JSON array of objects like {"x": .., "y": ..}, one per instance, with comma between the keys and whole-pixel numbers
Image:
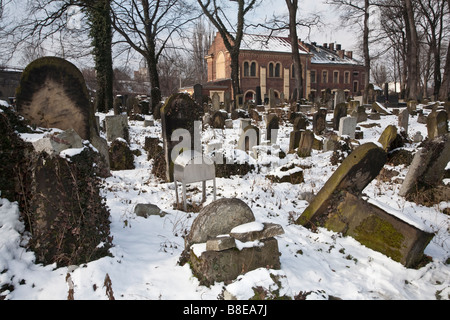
[
  {"x": 239, "y": 101},
  {"x": 272, "y": 126},
  {"x": 198, "y": 95},
  {"x": 215, "y": 101},
  {"x": 360, "y": 114},
  {"x": 212, "y": 242},
  {"x": 258, "y": 96},
  {"x": 52, "y": 94},
  {"x": 340, "y": 111},
  {"x": 339, "y": 97},
  {"x": 428, "y": 166},
  {"x": 306, "y": 143},
  {"x": 353, "y": 105},
  {"x": 244, "y": 123},
  {"x": 437, "y": 124},
  {"x": 380, "y": 108},
  {"x": 294, "y": 97},
  {"x": 249, "y": 138},
  {"x": 403, "y": 119},
  {"x": 411, "y": 105},
  {"x": 418, "y": 137},
  {"x": 179, "y": 117},
  {"x": 229, "y": 123},
  {"x": 117, "y": 127},
  {"x": 227, "y": 100},
  {"x": 294, "y": 140},
  {"x": 300, "y": 122},
  {"x": 319, "y": 121},
  {"x": 272, "y": 102},
  {"x": 218, "y": 119},
  {"x": 387, "y": 137},
  {"x": 347, "y": 127}
]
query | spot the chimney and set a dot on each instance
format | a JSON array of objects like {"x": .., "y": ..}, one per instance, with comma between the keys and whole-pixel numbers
[
  {"x": 340, "y": 53},
  {"x": 331, "y": 46},
  {"x": 325, "y": 45},
  {"x": 338, "y": 47},
  {"x": 349, "y": 54}
]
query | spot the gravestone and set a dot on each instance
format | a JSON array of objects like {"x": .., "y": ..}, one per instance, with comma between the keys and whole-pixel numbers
[
  {"x": 340, "y": 110},
  {"x": 437, "y": 124},
  {"x": 403, "y": 119},
  {"x": 353, "y": 175},
  {"x": 294, "y": 140},
  {"x": 319, "y": 121},
  {"x": 239, "y": 103},
  {"x": 215, "y": 101},
  {"x": 227, "y": 100},
  {"x": 272, "y": 103},
  {"x": 306, "y": 143},
  {"x": 117, "y": 127},
  {"x": 198, "y": 96},
  {"x": 258, "y": 96},
  {"x": 249, "y": 138},
  {"x": 52, "y": 94},
  {"x": 218, "y": 119},
  {"x": 428, "y": 166},
  {"x": 339, "y": 97},
  {"x": 179, "y": 117},
  {"x": 387, "y": 137},
  {"x": 272, "y": 126},
  {"x": 360, "y": 114},
  {"x": 300, "y": 122},
  {"x": 347, "y": 127}
]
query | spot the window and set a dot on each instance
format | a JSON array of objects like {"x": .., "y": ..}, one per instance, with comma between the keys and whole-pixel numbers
[
  {"x": 355, "y": 86},
  {"x": 253, "y": 69},
  {"x": 220, "y": 66},
  {"x": 347, "y": 77},
  {"x": 274, "y": 69},
  {"x": 313, "y": 76},
  {"x": 336, "y": 77},
  {"x": 246, "y": 69},
  {"x": 324, "y": 76}
]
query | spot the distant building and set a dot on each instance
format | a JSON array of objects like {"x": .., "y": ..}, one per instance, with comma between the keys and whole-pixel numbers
[{"x": 266, "y": 62}]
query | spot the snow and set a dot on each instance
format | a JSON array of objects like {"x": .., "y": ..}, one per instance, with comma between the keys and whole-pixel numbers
[
  {"x": 144, "y": 259},
  {"x": 248, "y": 227}
]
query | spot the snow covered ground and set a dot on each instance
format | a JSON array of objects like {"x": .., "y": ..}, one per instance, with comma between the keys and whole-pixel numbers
[{"x": 144, "y": 258}]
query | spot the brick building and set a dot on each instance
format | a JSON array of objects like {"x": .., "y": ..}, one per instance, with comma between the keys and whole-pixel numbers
[{"x": 267, "y": 62}]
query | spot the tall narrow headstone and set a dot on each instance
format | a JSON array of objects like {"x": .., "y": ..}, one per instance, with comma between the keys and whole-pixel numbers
[
  {"x": 198, "y": 93},
  {"x": 437, "y": 124},
  {"x": 347, "y": 127},
  {"x": 403, "y": 119},
  {"x": 215, "y": 101},
  {"x": 258, "y": 96},
  {"x": 319, "y": 121},
  {"x": 340, "y": 110}
]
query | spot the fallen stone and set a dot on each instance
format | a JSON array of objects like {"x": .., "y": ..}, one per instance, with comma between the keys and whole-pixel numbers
[
  {"x": 220, "y": 243},
  {"x": 244, "y": 232}
]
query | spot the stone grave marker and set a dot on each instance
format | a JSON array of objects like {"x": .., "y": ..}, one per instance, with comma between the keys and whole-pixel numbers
[
  {"x": 198, "y": 97},
  {"x": 117, "y": 127},
  {"x": 403, "y": 119},
  {"x": 272, "y": 101},
  {"x": 249, "y": 138},
  {"x": 339, "y": 97},
  {"x": 215, "y": 101},
  {"x": 437, "y": 124},
  {"x": 52, "y": 94},
  {"x": 347, "y": 127},
  {"x": 272, "y": 126},
  {"x": 319, "y": 121},
  {"x": 179, "y": 117},
  {"x": 258, "y": 96},
  {"x": 340, "y": 110},
  {"x": 306, "y": 143}
]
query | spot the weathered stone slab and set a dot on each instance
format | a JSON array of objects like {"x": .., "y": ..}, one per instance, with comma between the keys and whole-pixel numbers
[
  {"x": 220, "y": 243},
  {"x": 306, "y": 143},
  {"x": 218, "y": 218},
  {"x": 268, "y": 230},
  {"x": 54, "y": 144},
  {"x": 437, "y": 124},
  {"x": 347, "y": 127},
  {"x": 227, "y": 265},
  {"x": 377, "y": 229},
  {"x": 378, "y": 107},
  {"x": 53, "y": 94},
  {"x": 353, "y": 175},
  {"x": 428, "y": 166},
  {"x": 388, "y": 136},
  {"x": 339, "y": 111},
  {"x": 117, "y": 127},
  {"x": 148, "y": 209}
]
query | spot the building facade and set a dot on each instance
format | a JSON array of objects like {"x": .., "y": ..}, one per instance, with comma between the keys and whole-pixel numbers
[{"x": 266, "y": 62}]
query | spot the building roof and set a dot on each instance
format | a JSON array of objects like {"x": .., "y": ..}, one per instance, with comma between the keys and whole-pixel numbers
[
  {"x": 269, "y": 43},
  {"x": 326, "y": 55}
]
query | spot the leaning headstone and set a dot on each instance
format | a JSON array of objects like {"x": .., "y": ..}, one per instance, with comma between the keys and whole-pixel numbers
[
  {"x": 52, "y": 93},
  {"x": 380, "y": 108},
  {"x": 387, "y": 137},
  {"x": 356, "y": 171},
  {"x": 294, "y": 140},
  {"x": 179, "y": 117},
  {"x": 347, "y": 127},
  {"x": 428, "y": 166},
  {"x": 437, "y": 124},
  {"x": 403, "y": 119}
]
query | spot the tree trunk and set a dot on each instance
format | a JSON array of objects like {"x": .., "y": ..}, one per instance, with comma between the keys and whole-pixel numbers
[
  {"x": 235, "y": 71},
  {"x": 413, "y": 50},
  {"x": 293, "y": 7},
  {"x": 366, "y": 51},
  {"x": 101, "y": 34},
  {"x": 444, "y": 91}
]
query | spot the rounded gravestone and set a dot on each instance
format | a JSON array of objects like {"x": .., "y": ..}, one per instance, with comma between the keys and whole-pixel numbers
[
  {"x": 217, "y": 218},
  {"x": 52, "y": 94}
]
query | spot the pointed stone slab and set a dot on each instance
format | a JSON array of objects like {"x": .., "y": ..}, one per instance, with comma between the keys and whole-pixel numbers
[
  {"x": 267, "y": 230},
  {"x": 353, "y": 175}
]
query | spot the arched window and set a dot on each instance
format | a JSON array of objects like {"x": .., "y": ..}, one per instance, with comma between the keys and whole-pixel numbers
[
  {"x": 253, "y": 69},
  {"x": 220, "y": 66},
  {"x": 277, "y": 70},
  {"x": 271, "y": 69},
  {"x": 246, "y": 69}
]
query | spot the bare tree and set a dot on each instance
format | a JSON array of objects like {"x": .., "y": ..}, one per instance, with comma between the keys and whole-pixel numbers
[
  {"x": 444, "y": 92},
  {"x": 231, "y": 38},
  {"x": 146, "y": 27},
  {"x": 353, "y": 12},
  {"x": 201, "y": 41}
]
